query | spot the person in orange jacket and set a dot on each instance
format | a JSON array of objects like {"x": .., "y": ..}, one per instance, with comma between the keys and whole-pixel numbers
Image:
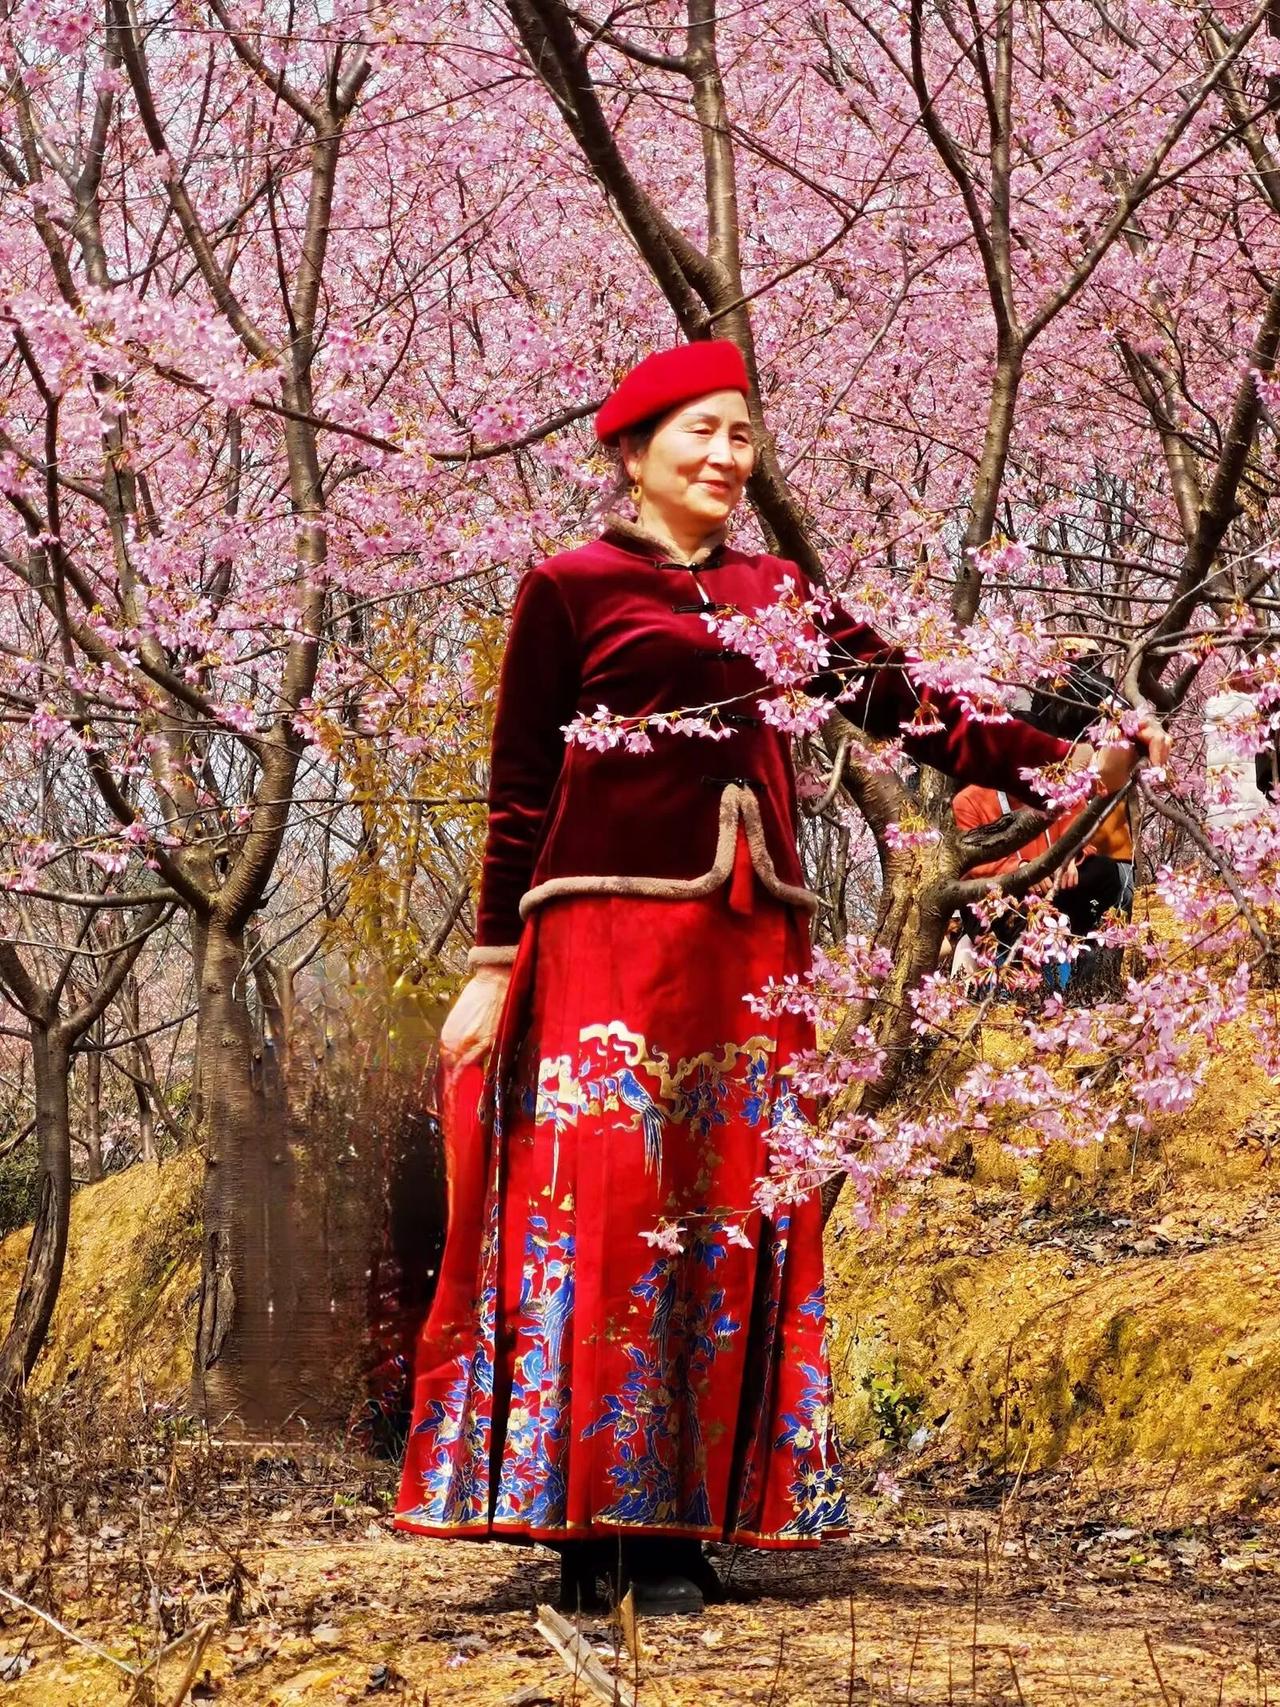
[
  {"x": 1103, "y": 880},
  {"x": 975, "y": 806},
  {"x": 1095, "y": 881}
]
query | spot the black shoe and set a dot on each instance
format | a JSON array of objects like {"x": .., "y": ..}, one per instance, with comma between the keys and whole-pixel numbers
[
  {"x": 667, "y": 1577},
  {"x": 661, "y": 1597},
  {"x": 700, "y": 1570},
  {"x": 582, "y": 1564}
]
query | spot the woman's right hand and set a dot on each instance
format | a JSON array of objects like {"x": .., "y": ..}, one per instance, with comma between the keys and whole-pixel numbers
[{"x": 472, "y": 1022}]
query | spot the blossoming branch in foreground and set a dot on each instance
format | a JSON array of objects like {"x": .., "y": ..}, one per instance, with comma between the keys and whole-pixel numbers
[
  {"x": 1154, "y": 1042},
  {"x": 670, "y": 1237},
  {"x": 786, "y": 643},
  {"x": 602, "y": 730},
  {"x": 783, "y": 639}
]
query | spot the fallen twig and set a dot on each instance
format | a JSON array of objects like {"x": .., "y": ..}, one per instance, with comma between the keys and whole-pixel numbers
[
  {"x": 581, "y": 1660},
  {"x": 1164, "y": 1693},
  {"x": 196, "y": 1631},
  {"x": 81, "y": 1641},
  {"x": 203, "y": 1633},
  {"x": 915, "y": 1648},
  {"x": 1009, "y": 1501},
  {"x": 777, "y": 1670},
  {"x": 1022, "y": 1700},
  {"x": 853, "y": 1648}
]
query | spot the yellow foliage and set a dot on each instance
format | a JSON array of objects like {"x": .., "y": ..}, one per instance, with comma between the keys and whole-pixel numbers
[{"x": 415, "y": 769}]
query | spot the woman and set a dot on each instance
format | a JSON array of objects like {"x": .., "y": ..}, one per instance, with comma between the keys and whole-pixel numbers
[{"x": 622, "y": 1359}]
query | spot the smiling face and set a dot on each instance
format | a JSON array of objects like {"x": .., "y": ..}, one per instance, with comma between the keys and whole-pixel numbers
[{"x": 693, "y": 470}]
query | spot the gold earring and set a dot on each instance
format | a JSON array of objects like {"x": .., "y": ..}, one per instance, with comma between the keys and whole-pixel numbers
[{"x": 635, "y": 491}]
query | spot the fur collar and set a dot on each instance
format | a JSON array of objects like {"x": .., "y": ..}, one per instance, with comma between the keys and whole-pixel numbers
[{"x": 632, "y": 536}]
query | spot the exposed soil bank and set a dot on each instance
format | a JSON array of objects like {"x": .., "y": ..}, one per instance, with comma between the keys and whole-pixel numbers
[{"x": 1114, "y": 1313}]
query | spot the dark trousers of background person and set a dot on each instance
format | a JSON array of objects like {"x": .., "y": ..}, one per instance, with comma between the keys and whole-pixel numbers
[
  {"x": 1102, "y": 886},
  {"x": 1266, "y": 768}
]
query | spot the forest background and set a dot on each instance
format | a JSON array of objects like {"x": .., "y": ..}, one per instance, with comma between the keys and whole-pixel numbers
[{"x": 305, "y": 311}]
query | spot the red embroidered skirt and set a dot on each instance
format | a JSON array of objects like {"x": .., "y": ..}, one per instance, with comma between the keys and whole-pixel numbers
[{"x": 573, "y": 1378}]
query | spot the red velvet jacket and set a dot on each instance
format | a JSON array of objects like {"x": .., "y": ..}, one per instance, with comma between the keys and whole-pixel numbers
[{"x": 615, "y": 623}]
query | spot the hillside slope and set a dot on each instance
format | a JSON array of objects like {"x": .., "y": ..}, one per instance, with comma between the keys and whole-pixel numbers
[
  {"x": 124, "y": 1324},
  {"x": 1115, "y": 1313}
]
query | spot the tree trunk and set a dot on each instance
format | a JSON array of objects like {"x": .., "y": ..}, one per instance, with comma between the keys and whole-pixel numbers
[
  {"x": 290, "y": 1214},
  {"x": 142, "y": 1070},
  {"x": 46, "y": 1254},
  {"x": 146, "y": 1115},
  {"x": 988, "y": 483},
  {"x": 243, "y": 1148},
  {"x": 93, "y": 1114}
]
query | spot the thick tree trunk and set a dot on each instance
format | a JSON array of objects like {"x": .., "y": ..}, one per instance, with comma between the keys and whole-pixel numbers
[
  {"x": 46, "y": 1254},
  {"x": 292, "y": 1211},
  {"x": 244, "y": 1161}
]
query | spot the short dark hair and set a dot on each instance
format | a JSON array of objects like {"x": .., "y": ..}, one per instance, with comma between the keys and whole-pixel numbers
[{"x": 634, "y": 441}]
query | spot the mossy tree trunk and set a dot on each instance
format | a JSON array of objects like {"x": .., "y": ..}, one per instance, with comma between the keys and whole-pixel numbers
[
  {"x": 46, "y": 1253},
  {"x": 264, "y": 1336},
  {"x": 302, "y": 1130}
]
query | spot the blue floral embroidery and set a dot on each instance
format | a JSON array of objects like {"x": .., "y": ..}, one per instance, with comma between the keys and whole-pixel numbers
[
  {"x": 531, "y": 1487},
  {"x": 632, "y": 1094},
  {"x": 758, "y": 1104},
  {"x": 610, "y": 1077},
  {"x": 817, "y": 1486},
  {"x": 660, "y": 1465},
  {"x": 657, "y": 1465},
  {"x": 456, "y": 1432}
]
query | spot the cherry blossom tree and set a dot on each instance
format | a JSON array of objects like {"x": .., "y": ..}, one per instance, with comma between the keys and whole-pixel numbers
[
  {"x": 307, "y": 312},
  {"x": 1036, "y": 160},
  {"x": 168, "y": 483},
  {"x": 250, "y": 339}
]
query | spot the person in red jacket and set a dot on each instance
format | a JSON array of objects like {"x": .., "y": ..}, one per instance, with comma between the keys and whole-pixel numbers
[{"x": 623, "y": 1359}]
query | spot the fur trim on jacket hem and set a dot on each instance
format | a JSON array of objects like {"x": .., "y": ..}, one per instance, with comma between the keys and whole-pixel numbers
[{"x": 736, "y": 804}]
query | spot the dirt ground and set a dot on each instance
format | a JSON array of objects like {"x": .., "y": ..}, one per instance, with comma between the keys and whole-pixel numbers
[
  {"x": 960, "y": 1594},
  {"x": 1071, "y": 1370}
]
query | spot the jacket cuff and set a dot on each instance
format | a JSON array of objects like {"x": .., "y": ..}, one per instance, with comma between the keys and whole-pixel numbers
[{"x": 477, "y": 957}]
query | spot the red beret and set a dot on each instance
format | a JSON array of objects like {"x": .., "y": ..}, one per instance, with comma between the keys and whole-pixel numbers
[{"x": 668, "y": 378}]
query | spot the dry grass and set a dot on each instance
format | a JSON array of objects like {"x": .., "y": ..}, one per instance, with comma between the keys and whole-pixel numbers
[
  {"x": 289, "y": 1560},
  {"x": 1092, "y": 1344}
]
